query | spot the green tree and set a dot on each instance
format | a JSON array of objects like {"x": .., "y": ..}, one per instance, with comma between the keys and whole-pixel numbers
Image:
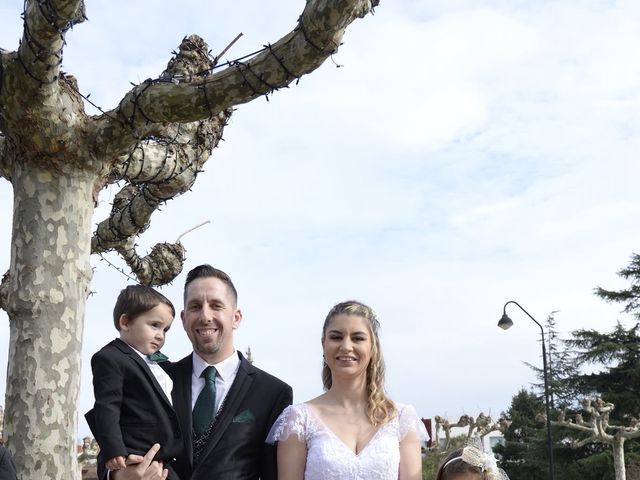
[
  {"x": 562, "y": 368},
  {"x": 630, "y": 297},
  {"x": 523, "y": 456},
  {"x": 620, "y": 350},
  {"x": 617, "y": 353},
  {"x": 606, "y": 366}
]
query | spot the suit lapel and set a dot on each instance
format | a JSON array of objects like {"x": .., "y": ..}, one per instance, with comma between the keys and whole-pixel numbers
[
  {"x": 145, "y": 368},
  {"x": 181, "y": 374},
  {"x": 237, "y": 393}
]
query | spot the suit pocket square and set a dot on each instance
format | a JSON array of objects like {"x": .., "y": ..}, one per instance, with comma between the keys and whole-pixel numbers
[{"x": 244, "y": 417}]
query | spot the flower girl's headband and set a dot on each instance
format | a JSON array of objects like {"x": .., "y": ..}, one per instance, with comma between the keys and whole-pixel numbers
[{"x": 486, "y": 462}]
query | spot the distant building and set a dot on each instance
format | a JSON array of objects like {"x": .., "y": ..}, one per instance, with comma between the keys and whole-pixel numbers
[{"x": 428, "y": 425}]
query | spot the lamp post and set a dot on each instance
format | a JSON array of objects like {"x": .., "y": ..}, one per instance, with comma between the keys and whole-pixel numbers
[{"x": 506, "y": 323}]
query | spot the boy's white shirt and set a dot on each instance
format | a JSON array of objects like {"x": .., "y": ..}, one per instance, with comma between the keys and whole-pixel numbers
[{"x": 161, "y": 376}]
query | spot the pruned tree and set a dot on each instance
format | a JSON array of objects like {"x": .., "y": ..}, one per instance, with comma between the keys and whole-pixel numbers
[
  {"x": 58, "y": 158},
  {"x": 478, "y": 427},
  {"x": 597, "y": 429}
]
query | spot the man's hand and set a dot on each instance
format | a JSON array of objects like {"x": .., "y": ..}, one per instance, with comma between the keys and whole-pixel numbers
[{"x": 147, "y": 469}]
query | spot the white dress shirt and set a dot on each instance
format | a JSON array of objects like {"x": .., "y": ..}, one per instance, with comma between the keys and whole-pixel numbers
[{"x": 226, "y": 374}]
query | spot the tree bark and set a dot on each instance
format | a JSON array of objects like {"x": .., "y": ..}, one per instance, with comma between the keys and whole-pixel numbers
[
  {"x": 46, "y": 290},
  {"x": 618, "y": 459}
]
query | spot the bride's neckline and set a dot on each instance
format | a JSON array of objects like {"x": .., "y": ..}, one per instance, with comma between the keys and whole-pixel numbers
[{"x": 316, "y": 416}]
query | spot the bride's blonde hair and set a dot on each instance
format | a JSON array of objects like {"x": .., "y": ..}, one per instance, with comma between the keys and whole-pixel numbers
[{"x": 380, "y": 409}]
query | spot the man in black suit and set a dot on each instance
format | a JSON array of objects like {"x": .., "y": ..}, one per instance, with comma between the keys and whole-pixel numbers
[{"x": 228, "y": 410}]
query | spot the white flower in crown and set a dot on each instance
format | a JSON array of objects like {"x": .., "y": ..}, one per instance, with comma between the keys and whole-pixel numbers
[
  {"x": 473, "y": 454},
  {"x": 485, "y": 461}
]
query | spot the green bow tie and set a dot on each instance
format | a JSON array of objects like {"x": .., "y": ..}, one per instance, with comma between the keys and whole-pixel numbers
[{"x": 157, "y": 357}]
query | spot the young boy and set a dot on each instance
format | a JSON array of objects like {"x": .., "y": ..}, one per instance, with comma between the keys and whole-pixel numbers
[{"x": 133, "y": 408}]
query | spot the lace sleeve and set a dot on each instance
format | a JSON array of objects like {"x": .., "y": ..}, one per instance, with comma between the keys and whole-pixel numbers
[
  {"x": 292, "y": 420},
  {"x": 409, "y": 422}
]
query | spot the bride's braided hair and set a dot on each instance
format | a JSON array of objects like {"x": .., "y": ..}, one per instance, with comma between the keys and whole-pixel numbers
[{"x": 380, "y": 409}]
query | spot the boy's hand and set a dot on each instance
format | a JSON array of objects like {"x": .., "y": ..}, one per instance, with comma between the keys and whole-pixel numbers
[{"x": 116, "y": 463}]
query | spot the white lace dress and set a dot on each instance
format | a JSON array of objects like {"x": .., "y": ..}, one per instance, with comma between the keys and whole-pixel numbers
[{"x": 328, "y": 458}]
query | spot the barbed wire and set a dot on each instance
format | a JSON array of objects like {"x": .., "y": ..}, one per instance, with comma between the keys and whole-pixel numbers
[{"x": 119, "y": 269}]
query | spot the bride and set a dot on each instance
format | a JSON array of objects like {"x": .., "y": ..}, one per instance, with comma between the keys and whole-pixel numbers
[{"x": 352, "y": 431}]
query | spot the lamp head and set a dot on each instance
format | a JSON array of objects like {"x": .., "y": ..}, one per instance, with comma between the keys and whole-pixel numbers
[{"x": 505, "y": 322}]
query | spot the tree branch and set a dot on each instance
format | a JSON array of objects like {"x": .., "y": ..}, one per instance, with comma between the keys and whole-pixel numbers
[
  {"x": 574, "y": 426},
  {"x": 4, "y": 291},
  {"x": 196, "y": 105},
  {"x": 156, "y": 173},
  {"x": 181, "y": 99},
  {"x": 4, "y": 158},
  {"x": 584, "y": 442},
  {"x": 630, "y": 434},
  {"x": 158, "y": 170},
  {"x": 37, "y": 99},
  {"x": 160, "y": 267},
  {"x": 45, "y": 25}
]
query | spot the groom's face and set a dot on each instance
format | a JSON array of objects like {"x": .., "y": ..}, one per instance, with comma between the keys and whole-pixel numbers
[{"x": 209, "y": 317}]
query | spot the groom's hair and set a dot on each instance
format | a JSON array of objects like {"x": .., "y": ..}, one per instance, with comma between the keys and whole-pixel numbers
[{"x": 206, "y": 270}]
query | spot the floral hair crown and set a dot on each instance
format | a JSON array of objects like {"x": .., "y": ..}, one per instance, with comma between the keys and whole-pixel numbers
[{"x": 486, "y": 462}]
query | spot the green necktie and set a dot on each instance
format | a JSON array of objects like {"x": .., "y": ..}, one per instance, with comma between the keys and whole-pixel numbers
[
  {"x": 205, "y": 404},
  {"x": 157, "y": 357}
]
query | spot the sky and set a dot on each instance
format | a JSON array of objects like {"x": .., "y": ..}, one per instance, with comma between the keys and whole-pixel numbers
[{"x": 453, "y": 155}]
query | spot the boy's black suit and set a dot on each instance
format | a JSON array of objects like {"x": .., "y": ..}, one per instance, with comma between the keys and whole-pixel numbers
[
  {"x": 236, "y": 448},
  {"x": 131, "y": 409}
]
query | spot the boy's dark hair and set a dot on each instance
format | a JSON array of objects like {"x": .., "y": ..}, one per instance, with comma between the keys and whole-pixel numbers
[
  {"x": 134, "y": 300},
  {"x": 203, "y": 271}
]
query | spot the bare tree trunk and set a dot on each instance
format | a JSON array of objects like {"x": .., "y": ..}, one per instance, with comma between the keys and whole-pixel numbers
[
  {"x": 618, "y": 458},
  {"x": 50, "y": 271}
]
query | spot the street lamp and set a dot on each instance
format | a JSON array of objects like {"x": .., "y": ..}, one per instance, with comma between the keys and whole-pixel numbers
[{"x": 505, "y": 323}]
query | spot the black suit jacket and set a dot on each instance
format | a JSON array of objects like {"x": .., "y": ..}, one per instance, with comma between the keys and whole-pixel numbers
[
  {"x": 236, "y": 449},
  {"x": 7, "y": 467},
  {"x": 131, "y": 411}
]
